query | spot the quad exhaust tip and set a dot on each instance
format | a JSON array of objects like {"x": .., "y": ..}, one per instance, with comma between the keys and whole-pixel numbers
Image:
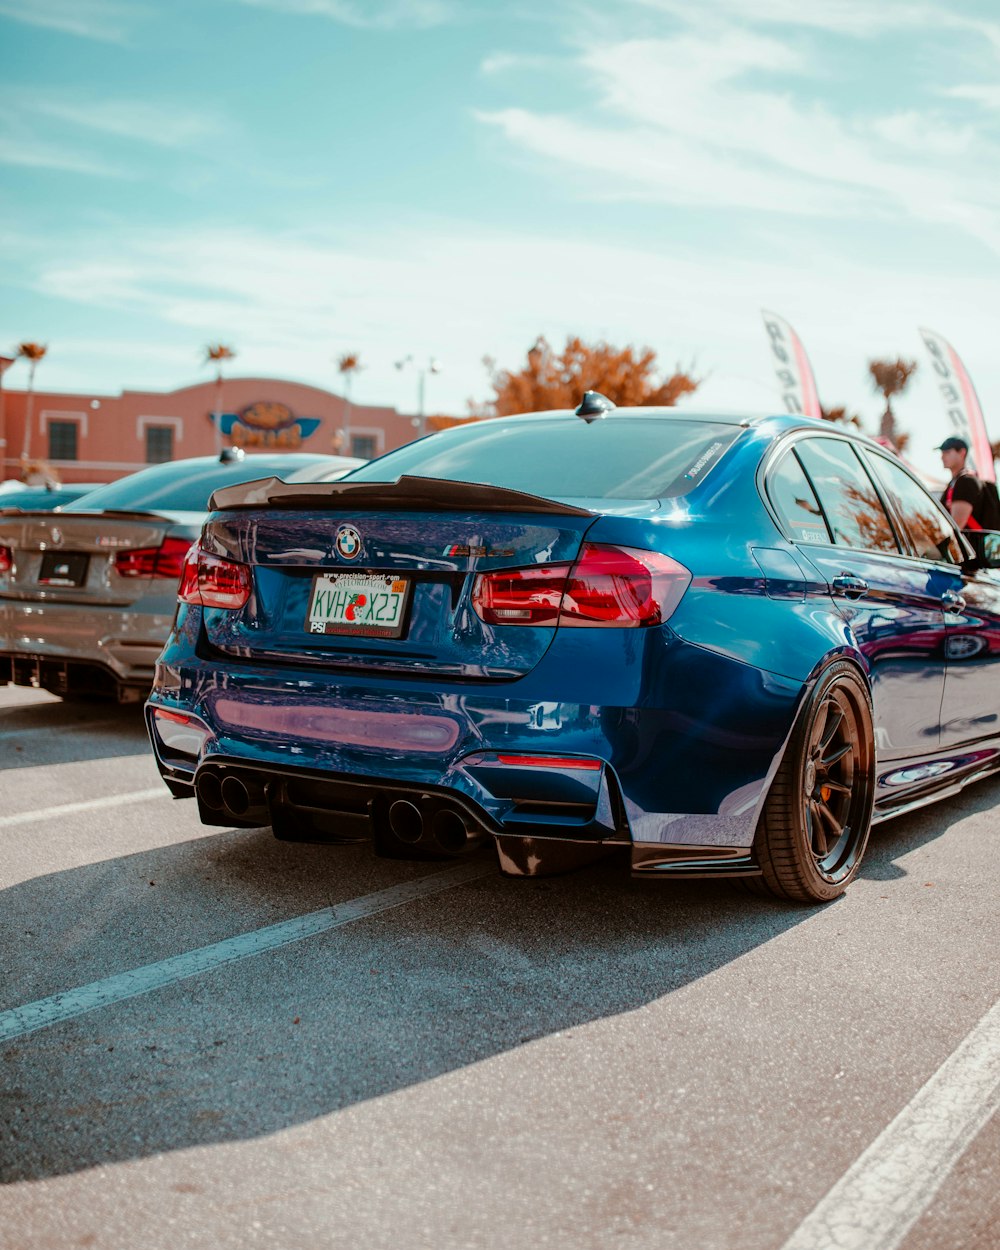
[
  {"x": 406, "y": 821},
  {"x": 433, "y": 825},
  {"x": 209, "y": 789},
  {"x": 449, "y": 830},
  {"x": 238, "y": 797},
  {"x": 445, "y": 830}
]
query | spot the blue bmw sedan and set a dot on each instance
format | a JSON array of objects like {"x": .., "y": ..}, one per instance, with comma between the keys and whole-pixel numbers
[{"x": 730, "y": 645}]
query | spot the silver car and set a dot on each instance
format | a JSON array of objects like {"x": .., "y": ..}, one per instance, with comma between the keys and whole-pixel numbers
[{"x": 87, "y": 595}]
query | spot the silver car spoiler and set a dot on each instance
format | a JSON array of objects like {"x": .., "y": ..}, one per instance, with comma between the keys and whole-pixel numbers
[{"x": 408, "y": 494}]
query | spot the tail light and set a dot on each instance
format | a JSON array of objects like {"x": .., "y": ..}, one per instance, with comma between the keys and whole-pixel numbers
[
  {"x": 6, "y": 559},
  {"x": 562, "y": 762},
  {"x": 618, "y": 586},
  {"x": 213, "y": 582},
  {"x": 167, "y": 560},
  {"x": 521, "y": 596}
]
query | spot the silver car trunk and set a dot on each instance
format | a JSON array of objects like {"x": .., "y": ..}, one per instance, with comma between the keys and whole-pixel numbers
[{"x": 70, "y": 557}]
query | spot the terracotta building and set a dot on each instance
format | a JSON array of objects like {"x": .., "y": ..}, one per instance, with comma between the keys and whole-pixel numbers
[{"x": 97, "y": 438}]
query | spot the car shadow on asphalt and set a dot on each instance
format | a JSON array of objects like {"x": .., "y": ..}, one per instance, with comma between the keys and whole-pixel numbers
[
  {"x": 35, "y": 734},
  {"x": 402, "y": 997}
]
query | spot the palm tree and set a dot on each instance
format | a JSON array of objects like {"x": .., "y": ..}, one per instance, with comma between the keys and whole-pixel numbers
[
  {"x": 890, "y": 377},
  {"x": 5, "y": 364},
  {"x": 348, "y": 365},
  {"x": 32, "y": 353},
  {"x": 217, "y": 354}
]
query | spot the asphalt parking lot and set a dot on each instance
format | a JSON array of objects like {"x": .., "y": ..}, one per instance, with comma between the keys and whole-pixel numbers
[{"x": 212, "y": 1039}]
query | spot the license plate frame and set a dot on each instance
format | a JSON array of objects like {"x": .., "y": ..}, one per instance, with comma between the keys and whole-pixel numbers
[
  {"x": 64, "y": 569},
  {"x": 323, "y": 619}
]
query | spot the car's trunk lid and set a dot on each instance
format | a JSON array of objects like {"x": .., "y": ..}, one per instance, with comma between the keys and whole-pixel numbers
[
  {"x": 419, "y": 543},
  {"x": 74, "y": 557}
]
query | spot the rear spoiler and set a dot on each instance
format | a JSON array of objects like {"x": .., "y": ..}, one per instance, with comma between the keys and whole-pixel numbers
[
  {"x": 49, "y": 514},
  {"x": 405, "y": 494}
]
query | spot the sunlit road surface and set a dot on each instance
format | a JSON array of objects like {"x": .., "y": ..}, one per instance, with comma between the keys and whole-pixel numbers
[{"x": 212, "y": 1039}]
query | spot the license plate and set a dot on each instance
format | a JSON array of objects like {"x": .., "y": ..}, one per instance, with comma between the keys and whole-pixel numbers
[
  {"x": 368, "y": 605},
  {"x": 63, "y": 569}
]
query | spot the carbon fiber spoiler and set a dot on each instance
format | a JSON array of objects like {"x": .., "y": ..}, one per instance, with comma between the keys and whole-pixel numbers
[
  {"x": 409, "y": 494},
  {"x": 50, "y": 513}
]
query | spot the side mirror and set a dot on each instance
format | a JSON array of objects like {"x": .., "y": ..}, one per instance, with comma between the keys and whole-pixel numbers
[
  {"x": 991, "y": 549},
  {"x": 986, "y": 546}
]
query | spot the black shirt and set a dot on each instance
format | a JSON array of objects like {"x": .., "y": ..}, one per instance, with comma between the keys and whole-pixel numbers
[{"x": 966, "y": 488}]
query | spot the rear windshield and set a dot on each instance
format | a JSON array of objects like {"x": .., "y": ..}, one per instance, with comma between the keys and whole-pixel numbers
[
  {"x": 614, "y": 458},
  {"x": 179, "y": 486}
]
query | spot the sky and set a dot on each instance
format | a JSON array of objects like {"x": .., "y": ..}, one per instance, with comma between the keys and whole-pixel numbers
[{"x": 445, "y": 180}]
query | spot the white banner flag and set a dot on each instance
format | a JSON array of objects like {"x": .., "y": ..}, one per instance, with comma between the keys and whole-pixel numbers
[
  {"x": 791, "y": 366},
  {"x": 961, "y": 403}
]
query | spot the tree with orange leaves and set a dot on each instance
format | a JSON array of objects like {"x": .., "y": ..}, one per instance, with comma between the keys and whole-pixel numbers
[{"x": 558, "y": 380}]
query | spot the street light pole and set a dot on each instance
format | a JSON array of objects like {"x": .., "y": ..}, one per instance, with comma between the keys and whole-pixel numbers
[
  {"x": 433, "y": 366},
  {"x": 217, "y": 353},
  {"x": 348, "y": 365}
]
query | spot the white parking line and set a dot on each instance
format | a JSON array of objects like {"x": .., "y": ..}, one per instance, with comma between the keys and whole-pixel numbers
[
  {"x": 879, "y": 1199},
  {"x": 84, "y": 805},
  {"x": 65, "y": 1006}
]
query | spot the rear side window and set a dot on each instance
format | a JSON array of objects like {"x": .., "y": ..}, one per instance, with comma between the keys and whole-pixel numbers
[
  {"x": 928, "y": 530},
  {"x": 847, "y": 495},
  {"x": 613, "y": 458},
  {"x": 795, "y": 502}
]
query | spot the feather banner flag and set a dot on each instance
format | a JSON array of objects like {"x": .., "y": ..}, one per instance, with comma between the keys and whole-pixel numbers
[
  {"x": 961, "y": 403},
  {"x": 791, "y": 366}
]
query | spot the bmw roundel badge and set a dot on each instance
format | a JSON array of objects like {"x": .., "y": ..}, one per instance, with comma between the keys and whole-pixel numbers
[{"x": 348, "y": 542}]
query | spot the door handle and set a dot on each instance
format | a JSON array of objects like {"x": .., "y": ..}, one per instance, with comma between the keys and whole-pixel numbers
[
  {"x": 953, "y": 601},
  {"x": 850, "y": 587}
]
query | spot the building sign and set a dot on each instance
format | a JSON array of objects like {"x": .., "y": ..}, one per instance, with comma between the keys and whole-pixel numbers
[{"x": 267, "y": 424}]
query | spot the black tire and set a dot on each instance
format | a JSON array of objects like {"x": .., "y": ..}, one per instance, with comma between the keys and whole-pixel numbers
[{"x": 814, "y": 829}]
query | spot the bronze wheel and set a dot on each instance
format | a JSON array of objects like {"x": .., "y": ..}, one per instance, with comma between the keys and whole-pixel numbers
[{"x": 815, "y": 825}]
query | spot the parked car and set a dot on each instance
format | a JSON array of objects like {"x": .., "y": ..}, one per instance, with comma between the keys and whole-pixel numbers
[
  {"x": 45, "y": 498},
  {"x": 87, "y": 596},
  {"x": 727, "y": 644}
]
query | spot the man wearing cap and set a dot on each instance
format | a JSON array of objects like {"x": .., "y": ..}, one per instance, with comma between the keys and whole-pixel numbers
[{"x": 963, "y": 496}]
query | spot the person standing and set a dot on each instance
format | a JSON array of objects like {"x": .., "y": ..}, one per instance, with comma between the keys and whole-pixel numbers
[{"x": 964, "y": 495}]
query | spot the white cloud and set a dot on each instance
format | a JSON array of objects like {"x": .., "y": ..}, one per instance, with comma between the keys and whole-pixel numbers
[
  {"x": 107, "y": 20},
  {"x": 646, "y": 163},
  {"x": 860, "y": 18},
  {"x": 985, "y": 94},
  {"x": 722, "y": 117},
  {"x": 506, "y": 62},
  {"x": 166, "y": 124},
  {"x": 921, "y": 136},
  {"x": 375, "y": 14},
  {"x": 42, "y": 129},
  {"x": 32, "y": 153}
]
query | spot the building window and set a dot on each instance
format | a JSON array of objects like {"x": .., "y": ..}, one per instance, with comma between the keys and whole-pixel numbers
[
  {"x": 63, "y": 440},
  {"x": 159, "y": 443},
  {"x": 363, "y": 446}
]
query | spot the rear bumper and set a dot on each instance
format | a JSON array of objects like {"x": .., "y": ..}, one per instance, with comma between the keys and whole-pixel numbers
[
  {"x": 69, "y": 678},
  {"x": 79, "y": 648},
  {"x": 679, "y": 777}
]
